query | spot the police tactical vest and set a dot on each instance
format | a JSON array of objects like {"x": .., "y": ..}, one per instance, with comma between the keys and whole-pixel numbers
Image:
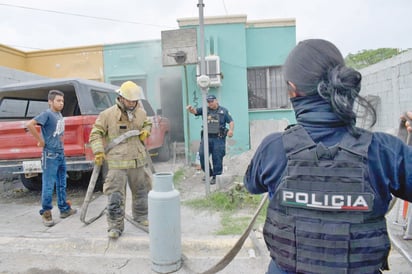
[
  {"x": 213, "y": 125},
  {"x": 321, "y": 218}
]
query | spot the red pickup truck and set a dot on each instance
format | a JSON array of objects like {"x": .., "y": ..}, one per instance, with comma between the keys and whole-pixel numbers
[{"x": 84, "y": 100}]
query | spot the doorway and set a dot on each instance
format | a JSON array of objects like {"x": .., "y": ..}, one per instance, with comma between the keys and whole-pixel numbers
[{"x": 171, "y": 101}]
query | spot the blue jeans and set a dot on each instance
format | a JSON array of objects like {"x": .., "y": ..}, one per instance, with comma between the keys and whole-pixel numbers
[
  {"x": 217, "y": 148},
  {"x": 54, "y": 174}
]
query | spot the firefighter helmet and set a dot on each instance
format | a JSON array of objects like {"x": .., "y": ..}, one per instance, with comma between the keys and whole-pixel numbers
[{"x": 130, "y": 91}]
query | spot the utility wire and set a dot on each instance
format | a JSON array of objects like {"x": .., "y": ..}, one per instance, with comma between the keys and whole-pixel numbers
[
  {"x": 224, "y": 6},
  {"x": 84, "y": 16}
]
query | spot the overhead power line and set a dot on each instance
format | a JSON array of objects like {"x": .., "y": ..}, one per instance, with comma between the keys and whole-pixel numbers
[
  {"x": 224, "y": 6},
  {"x": 84, "y": 16}
]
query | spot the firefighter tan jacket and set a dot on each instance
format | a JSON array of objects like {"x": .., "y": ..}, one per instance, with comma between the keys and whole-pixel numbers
[{"x": 112, "y": 123}]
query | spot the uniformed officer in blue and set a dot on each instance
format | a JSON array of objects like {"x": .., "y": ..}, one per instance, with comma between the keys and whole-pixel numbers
[
  {"x": 329, "y": 182},
  {"x": 217, "y": 118}
]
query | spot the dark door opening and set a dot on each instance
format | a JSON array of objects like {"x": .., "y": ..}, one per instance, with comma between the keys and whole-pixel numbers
[{"x": 171, "y": 104}]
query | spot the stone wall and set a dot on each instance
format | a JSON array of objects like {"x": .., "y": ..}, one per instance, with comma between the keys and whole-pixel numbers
[{"x": 389, "y": 81}]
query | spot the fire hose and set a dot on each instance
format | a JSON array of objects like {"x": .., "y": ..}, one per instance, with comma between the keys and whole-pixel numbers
[
  {"x": 230, "y": 255},
  {"x": 95, "y": 176},
  {"x": 238, "y": 245}
]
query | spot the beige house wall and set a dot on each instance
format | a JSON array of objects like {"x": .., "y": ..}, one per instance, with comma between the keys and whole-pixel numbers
[
  {"x": 82, "y": 62},
  {"x": 12, "y": 58}
]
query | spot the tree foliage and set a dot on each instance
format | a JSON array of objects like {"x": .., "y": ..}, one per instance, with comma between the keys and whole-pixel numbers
[{"x": 366, "y": 58}]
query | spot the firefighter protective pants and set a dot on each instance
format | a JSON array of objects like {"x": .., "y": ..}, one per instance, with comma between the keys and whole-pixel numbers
[{"x": 115, "y": 189}]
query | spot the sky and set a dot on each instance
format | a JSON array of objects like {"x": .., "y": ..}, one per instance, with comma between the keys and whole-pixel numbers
[{"x": 352, "y": 25}]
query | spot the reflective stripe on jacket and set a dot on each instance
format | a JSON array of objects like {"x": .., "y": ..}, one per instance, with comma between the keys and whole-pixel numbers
[{"x": 112, "y": 123}]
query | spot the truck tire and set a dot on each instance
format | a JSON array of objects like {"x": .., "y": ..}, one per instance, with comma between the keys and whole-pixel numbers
[
  {"x": 163, "y": 153},
  {"x": 32, "y": 183}
]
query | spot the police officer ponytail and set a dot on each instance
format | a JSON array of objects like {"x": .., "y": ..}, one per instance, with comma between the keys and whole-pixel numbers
[
  {"x": 316, "y": 67},
  {"x": 341, "y": 90}
]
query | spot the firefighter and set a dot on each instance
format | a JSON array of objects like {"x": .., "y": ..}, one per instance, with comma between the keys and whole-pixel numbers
[
  {"x": 126, "y": 161},
  {"x": 217, "y": 118},
  {"x": 329, "y": 182}
]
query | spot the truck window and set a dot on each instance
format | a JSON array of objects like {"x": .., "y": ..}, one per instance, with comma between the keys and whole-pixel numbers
[
  {"x": 21, "y": 108},
  {"x": 147, "y": 107},
  {"x": 36, "y": 107},
  {"x": 103, "y": 100}
]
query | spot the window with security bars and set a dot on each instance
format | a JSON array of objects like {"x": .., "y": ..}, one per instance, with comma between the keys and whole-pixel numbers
[{"x": 267, "y": 89}]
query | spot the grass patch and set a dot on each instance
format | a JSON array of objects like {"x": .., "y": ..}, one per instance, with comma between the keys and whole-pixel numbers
[
  {"x": 178, "y": 177},
  {"x": 234, "y": 199},
  {"x": 229, "y": 203},
  {"x": 233, "y": 225}
]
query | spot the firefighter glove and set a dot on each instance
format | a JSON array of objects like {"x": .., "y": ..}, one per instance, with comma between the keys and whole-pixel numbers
[
  {"x": 143, "y": 135},
  {"x": 99, "y": 158}
]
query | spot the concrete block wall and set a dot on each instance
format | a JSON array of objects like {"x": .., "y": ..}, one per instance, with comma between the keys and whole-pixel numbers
[
  {"x": 391, "y": 80},
  {"x": 10, "y": 76}
]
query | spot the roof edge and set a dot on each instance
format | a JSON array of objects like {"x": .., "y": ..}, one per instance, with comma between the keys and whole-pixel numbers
[{"x": 212, "y": 20}]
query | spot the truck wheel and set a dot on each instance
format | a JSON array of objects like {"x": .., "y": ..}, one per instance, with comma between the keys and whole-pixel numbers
[
  {"x": 32, "y": 183},
  {"x": 74, "y": 178},
  {"x": 163, "y": 153}
]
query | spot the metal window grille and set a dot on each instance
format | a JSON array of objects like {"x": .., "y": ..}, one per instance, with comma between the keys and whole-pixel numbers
[{"x": 267, "y": 89}]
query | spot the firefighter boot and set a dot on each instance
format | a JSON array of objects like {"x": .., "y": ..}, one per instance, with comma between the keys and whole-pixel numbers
[{"x": 114, "y": 233}]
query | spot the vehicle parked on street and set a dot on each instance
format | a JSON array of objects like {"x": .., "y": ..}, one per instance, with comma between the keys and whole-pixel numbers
[{"x": 84, "y": 100}]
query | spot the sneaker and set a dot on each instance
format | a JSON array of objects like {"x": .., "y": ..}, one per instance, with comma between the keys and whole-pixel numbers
[
  {"x": 114, "y": 233},
  {"x": 68, "y": 213},
  {"x": 47, "y": 218}
]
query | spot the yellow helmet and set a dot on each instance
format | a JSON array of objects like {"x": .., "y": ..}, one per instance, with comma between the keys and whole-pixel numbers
[{"x": 130, "y": 91}]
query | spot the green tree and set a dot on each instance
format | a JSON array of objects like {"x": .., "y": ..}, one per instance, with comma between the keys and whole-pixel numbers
[{"x": 366, "y": 58}]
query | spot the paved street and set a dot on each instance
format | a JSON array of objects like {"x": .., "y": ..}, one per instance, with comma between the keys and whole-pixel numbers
[
  {"x": 26, "y": 246},
  {"x": 396, "y": 224}
]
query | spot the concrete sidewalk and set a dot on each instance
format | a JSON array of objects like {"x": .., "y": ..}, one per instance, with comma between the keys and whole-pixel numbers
[
  {"x": 70, "y": 246},
  {"x": 396, "y": 225},
  {"x": 26, "y": 246}
]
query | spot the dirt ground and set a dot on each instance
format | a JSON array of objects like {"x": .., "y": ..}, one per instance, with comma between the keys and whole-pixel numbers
[
  {"x": 190, "y": 186},
  {"x": 13, "y": 191}
]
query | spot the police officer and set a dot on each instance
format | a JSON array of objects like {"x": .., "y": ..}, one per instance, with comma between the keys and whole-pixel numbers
[
  {"x": 329, "y": 182},
  {"x": 126, "y": 161},
  {"x": 217, "y": 118}
]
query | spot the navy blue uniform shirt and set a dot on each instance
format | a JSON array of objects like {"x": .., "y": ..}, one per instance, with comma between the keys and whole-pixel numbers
[
  {"x": 224, "y": 115},
  {"x": 389, "y": 158}
]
